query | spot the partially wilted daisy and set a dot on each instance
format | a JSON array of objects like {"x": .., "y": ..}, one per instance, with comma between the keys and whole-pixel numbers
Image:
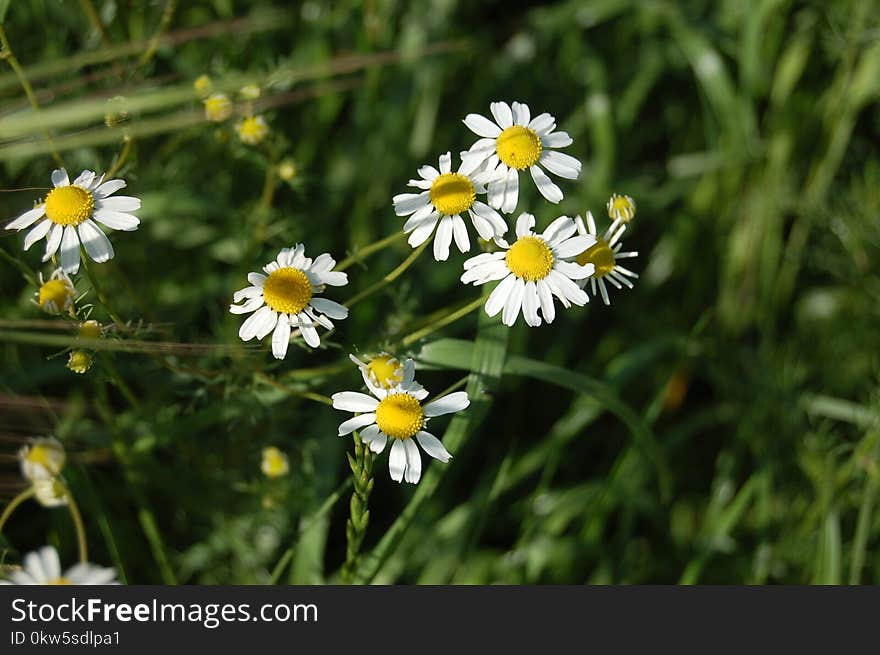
[
  {"x": 285, "y": 298},
  {"x": 516, "y": 142},
  {"x": 532, "y": 271},
  {"x": 621, "y": 208},
  {"x": 252, "y": 130},
  {"x": 603, "y": 255},
  {"x": 69, "y": 210},
  {"x": 218, "y": 107},
  {"x": 397, "y": 413},
  {"x": 56, "y": 294},
  {"x": 43, "y": 567},
  {"x": 274, "y": 463},
  {"x": 444, "y": 198},
  {"x": 41, "y": 458}
]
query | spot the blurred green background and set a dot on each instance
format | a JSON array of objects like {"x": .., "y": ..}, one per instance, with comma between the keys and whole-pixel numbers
[{"x": 717, "y": 424}]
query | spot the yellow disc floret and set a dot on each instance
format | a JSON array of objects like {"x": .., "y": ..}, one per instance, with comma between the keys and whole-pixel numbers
[
  {"x": 274, "y": 463},
  {"x": 599, "y": 255},
  {"x": 287, "y": 290},
  {"x": 452, "y": 193},
  {"x": 69, "y": 205},
  {"x": 519, "y": 147},
  {"x": 252, "y": 130},
  {"x": 400, "y": 416},
  {"x": 530, "y": 258},
  {"x": 385, "y": 371}
]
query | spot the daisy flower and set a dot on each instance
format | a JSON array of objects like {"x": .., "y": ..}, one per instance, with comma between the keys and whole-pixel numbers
[
  {"x": 397, "y": 413},
  {"x": 41, "y": 459},
  {"x": 50, "y": 493},
  {"x": 621, "y": 208},
  {"x": 218, "y": 107},
  {"x": 56, "y": 294},
  {"x": 603, "y": 256},
  {"x": 532, "y": 271},
  {"x": 285, "y": 298},
  {"x": 43, "y": 567},
  {"x": 384, "y": 371},
  {"x": 70, "y": 211},
  {"x": 79, "y": 361},
  {"x": 514, "y": 143},
  {"x": 444, "y": 198},
  {"x": 252, "y": 130},
  {"x": 274, "y": 463}
]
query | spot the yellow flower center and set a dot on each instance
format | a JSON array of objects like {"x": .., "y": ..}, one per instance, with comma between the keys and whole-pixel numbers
[
  {"x": 60, "y": 581},
  {"x": 621, "y": 207},
  {"x": 530, "y": 258},
  {"x": 69, "y": 205},
  {"x": 518, "y": 147},
  {"x": 79, "y": 361},
  {"x": 452, "y": 193},
  {"x": 599, "y": 255},
  {"x": 218, "y": 107},
  {"x": 252, "y": 130},
  {"x": 400, "y": 416},
  {"x": 55, "y": 295},
  {"x": 41, "y": 456},
  {"x": 274, "y": 462},
  {"x": 385, "y": 370},
  {"x": 90, "y": 330},
  {"x": 287, "y": 290}
]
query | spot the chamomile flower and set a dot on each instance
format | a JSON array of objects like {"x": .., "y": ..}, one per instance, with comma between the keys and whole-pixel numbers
[
  {"x": 286, "y": 298},
  {"x": 603, "y": 255},
  {"x": 41, "y": 459},
  {"x": 621, "y": 208},
  {"x": 79, "y": 361},
  {"x": 516, "y": 142},
  {"x": 56, "y": 294},
  {"x": 218, "y": 107},
  {"x": 384, "y": 371},
  {"x": 397, "y": 413},
  {"x": 532, "y": 271},
  {"x": 274, "y": 463},
  {"x": 252, "y": 130},
  {"x": 444, "y": 198},
  {"x": 68, "y": 218},
  {"x": 43, "y": 567},
  {"x": 50, "y": 493}
]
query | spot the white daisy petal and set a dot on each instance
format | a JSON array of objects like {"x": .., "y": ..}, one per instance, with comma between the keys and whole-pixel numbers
[
  {"x": 459, "y": 232},
  {"x": 545, "y": 297},
  {"x": 28, "y": 218},
  {"x": 556, "y": 140},
  {"x": 37, "y": 233},
  {"x": 542, "y": 123},
  {"x": 413, "y": 462},
  {"x": 330, "y": 307},
  {"x": 120, "y": 203},
  {"x": 433, "y": 447},
  {"x": 561, "y": 164},
  {"x": 281, "y": 338},
  {"x": 354, "y": 401},
  {"x": 53, "y": 241},
  {"x": 70, "y": 250},
  {"x": 482, "y": 126},
  {"x": 407, "y": 203},
  {"x": 524, "y": 224},
  {"x": 442, "y": 239},
  {"x": 511, "y": 191},
  {"x": 502, "y": 114},
  {"x": 423, "y": 232},
  {"x": 109, "y": 187},
  {"x": 498, "y": 298},
  {"x": 545, "y": 186},
  {"x": 513, "y": 304},
  {"x": 356, "y": 423},
  {"x": 453, "y": 402},
  {"x": 96, "y": 243},
  {"x": 60, "y": 178},
  {"x": 574, "y": 246},
  {"x": 530, "y": 305},
  {"x": 117, "y": 220},
  {"x": 377, "y": 445},
  {"x": 446, "y": 162},
  {"x": 397, "y": 460},
  {"x": 521, "y": 113}
]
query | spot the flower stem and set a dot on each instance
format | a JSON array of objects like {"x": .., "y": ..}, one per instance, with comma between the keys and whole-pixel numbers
[
  {"x": 99, "y": 292},
  {"x": 366, "y": 251},
  {"x": 393, "y": 275},
  {"x": 78, "y": 524},
  {"x": 15, "y": 502},
  {"x": 356, "y": 526},
  {"x": 443, "y": 322}
]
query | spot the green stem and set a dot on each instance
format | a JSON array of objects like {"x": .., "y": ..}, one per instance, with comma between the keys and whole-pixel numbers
[
  {"x": 99, "y": 292},
  {"x": 359, "y": 514},
  {"x": 388, "y": 279},
  {"x": 9, "y": 56},
  {"x": 366, "y": 251},
  {"x": 443, "y": 322},
  {"x": 123, "y": 155},
  {"x": 15, "y": 502},
  {"x": 863, "y": 525},
  {"x": 164, "y": 23},
  {"x": 78, "y": 524}
]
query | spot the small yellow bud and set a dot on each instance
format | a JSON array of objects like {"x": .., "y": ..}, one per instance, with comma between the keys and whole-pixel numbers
[
  {"x": 250, "y": 92},
  {"x": 621, "y": 208},
  {"x": 274, "y": 463},
  {"x": 79, "y": 361},
  {"x": 203, "y": 85},
  {"x": 90, "y": 330},
  {"x": 218, "y": 107},
  {"x": 287, "y": 169},
  {"x": 252, "y": 130}
]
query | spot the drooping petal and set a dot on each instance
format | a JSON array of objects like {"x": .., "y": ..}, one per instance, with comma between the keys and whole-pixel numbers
[
  {"x": 453, "y": 402},
  {"x": 433, "y": 447},
  {"x": 356, "y": 423}
]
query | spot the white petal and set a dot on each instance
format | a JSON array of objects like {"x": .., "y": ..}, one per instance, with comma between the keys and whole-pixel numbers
[
  {"x": 446, "y": 162},
  {"x": 85, "y": 179},
  {"x": 413, "y": 461},
  {"x": 498, "y": 298},
  {"x": 513, "y": 304},
  {"x": 53, "y": 241},
  {"x": 574, "y": 246},
  {"x": 442, "y": 239},
  {"x": 248, "y": 329},
  {"x": 356, "y": 423},
  {"x": 377, "y": 445},
  {"x": 483, "y": 210},
  {"x": 70, "y": 250},
  {"x": 561, "y": 164},
  {"x": 454, "y": 402},
  {"x": 511, "y": 191},
  {"x": 60, "y": 178},
  {"x": 28, "y": 218},
  {"x": 556, "y": 140},
  {"x": 530, "y": 305},
  {"x": 330, "y": 307},
  {"x": 502, "y": 114},
  {"x": 397, "y": 460},
  {"x": 433, "y": 447},
  {"x": 257, "y": 279},
  {"x": 308, "y": 331},
  {"x": 37, "y": 233},
  {"x": 562, "y": 228},
  {"x": 423, "y": 232},
  {"x": 547, "y": 189},
  {"x": 109, "y": 187},
  {"x": 524, "y": 224},
  {"x": 482, "y": 126},
  {"x": 117, "y": 220},
  {"x": 459, "y": 232},
  {"x": 409, "y": 373},
  {"x": 251, "y": 305},
  {"x": 120, "y": 203},
  {"x": 370, "y": 433},
  {"x": 95, "y": 242},
  {"x": 545, "y": 297},
  {"x": 521, "y": 113},
  {"x": 571, "y": 291},
  {"x": 354, "y": 401},
  {"x": 429, "y": 173},
  {"x": 542, "y": 122},
  {"x": 418, "y": 217},
  {"x": 407, "y": 203},
  {"x": 281, "y": 338}
]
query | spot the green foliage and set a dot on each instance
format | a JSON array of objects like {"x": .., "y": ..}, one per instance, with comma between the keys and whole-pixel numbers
[{"x": 717, "y": 424}]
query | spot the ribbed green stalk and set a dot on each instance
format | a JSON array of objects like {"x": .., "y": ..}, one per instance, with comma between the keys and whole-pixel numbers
[{"x": 361, "y": 464}]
